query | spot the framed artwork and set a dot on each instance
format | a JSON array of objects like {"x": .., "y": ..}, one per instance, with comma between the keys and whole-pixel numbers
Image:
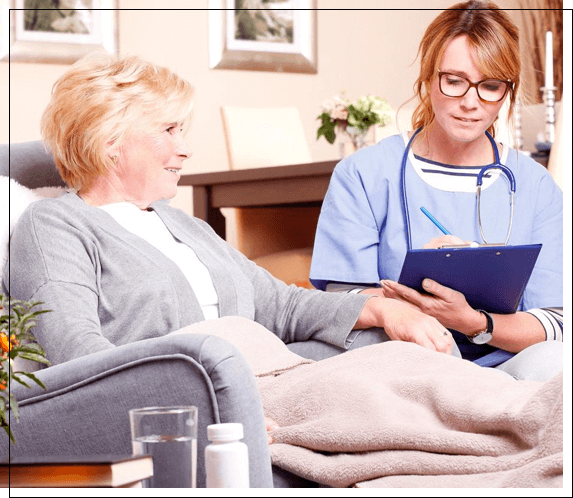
[
  {"x": 263, "y": 35},
  {"x": 57, "y": 31}
]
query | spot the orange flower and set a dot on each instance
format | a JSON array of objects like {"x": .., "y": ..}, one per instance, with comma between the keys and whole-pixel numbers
[
  {"x": 2, "y": 385},
  {"x": 4, "y": 343}
]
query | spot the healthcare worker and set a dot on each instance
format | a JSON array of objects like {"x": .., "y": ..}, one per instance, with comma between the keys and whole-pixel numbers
[{"x": 469, "y": 66}]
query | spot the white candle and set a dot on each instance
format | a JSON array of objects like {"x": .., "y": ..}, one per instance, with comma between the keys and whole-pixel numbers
[{"x": 549, "y": 59}]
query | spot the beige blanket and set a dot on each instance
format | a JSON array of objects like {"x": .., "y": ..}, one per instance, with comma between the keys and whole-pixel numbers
[{"x": 399, "y": 415}]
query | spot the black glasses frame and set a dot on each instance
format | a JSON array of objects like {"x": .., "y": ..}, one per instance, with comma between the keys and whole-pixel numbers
[{"x": 508, "y": 86}]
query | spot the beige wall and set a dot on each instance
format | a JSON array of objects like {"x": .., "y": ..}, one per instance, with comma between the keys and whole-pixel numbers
[{"x": 362, "y": 52}]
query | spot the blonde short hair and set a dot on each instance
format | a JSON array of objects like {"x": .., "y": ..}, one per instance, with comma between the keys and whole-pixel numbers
[
  {"x": 493, "y": 40},
  {"x": 100, "y": 101}
]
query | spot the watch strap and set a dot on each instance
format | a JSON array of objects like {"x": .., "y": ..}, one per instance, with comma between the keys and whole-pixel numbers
[
  {"x": 484, "y": 336},
  {"x": 489, "y": 318}
]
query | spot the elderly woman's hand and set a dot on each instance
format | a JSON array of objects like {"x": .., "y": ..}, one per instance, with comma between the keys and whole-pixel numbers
[
  {"x": 403, "y": 321},
  {"x": 271, "y": 425}
]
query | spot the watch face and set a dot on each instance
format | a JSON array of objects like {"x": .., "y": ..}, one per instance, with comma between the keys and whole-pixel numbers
[{"x": 482, "y": 338}]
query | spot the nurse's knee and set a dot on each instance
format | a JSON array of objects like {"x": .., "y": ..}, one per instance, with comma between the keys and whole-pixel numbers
[{"x": 539, "y": 362}]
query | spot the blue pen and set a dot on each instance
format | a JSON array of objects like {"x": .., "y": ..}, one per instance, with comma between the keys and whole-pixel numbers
[{"x": 434, "y": 221}]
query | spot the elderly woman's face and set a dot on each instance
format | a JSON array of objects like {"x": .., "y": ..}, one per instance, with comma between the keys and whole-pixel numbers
[{"x": 149, "y": 164}]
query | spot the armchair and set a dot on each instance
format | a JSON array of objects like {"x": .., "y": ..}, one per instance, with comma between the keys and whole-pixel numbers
[{"x": 84, "y": 410}]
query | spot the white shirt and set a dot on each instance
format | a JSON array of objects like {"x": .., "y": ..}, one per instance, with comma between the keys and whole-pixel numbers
[{"x": 149, "y": 226}]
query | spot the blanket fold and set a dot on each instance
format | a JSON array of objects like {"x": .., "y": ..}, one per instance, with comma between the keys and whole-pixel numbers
[{"x": 265, "y": 353}]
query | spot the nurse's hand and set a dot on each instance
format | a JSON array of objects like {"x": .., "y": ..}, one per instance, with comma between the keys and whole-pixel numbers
[
  {"x": 447, "y": 305},
  {"x": 444, "y": 240},
  {"x": 405, "y": 322}
]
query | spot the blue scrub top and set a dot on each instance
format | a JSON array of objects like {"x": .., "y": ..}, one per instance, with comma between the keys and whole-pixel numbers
[{"x": 361, "y": 236}]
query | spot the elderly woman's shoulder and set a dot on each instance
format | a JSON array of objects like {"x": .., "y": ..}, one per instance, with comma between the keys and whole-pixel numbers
[
  {"x": 49, "y": 211},
  {"x": 56, "y": 204},
  {"x": 26, "y": 201}
]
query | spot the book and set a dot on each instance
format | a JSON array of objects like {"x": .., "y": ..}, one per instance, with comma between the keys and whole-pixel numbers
[{"x": 100, "y": 471}]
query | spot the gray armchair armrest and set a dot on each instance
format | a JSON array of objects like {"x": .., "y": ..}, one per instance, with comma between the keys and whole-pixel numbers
[
  {"x": 318, "y": 350},
  {"x": 84, "y": 410}
]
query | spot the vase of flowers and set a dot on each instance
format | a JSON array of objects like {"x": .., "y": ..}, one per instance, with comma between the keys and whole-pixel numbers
[
  {"x": 16, "y": 340},
  {"x": 352, "y": 119}
]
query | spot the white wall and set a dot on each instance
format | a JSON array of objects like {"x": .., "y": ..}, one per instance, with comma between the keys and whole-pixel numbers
[{"x": 360, "y": 51}]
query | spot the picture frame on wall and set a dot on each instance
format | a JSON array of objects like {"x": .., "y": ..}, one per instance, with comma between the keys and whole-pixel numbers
[
  {"x": 57, "y": 31},
  {"x": 263, "y": 35}
]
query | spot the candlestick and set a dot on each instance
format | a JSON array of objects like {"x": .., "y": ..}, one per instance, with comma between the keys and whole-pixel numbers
[
  {"x": 548, "y": 59},
  {"x": 517, "y": 125},
  {"x": 549, "y": 99}
]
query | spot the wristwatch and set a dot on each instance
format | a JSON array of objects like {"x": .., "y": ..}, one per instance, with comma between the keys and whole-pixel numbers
[{"x": 485, "y": 336}]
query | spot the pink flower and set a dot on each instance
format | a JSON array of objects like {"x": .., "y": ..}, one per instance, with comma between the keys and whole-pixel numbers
[{"x": 339, "y": 113}]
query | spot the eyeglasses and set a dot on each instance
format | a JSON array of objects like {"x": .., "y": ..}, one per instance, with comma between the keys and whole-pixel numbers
[{"x": 453, "y": 85}]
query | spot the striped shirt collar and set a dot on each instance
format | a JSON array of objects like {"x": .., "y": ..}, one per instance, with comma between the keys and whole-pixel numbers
[{"x": 452, "y": 178}]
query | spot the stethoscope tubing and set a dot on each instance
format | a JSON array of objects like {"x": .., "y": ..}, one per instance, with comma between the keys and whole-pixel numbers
[{"x": 497, "y": 165}]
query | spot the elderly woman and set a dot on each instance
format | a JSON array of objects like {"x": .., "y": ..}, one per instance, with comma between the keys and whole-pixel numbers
[{"x": 117, "y": 265}]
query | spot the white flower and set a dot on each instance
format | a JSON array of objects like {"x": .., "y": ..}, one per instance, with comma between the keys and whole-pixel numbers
[{"x": 328, "y": 105}]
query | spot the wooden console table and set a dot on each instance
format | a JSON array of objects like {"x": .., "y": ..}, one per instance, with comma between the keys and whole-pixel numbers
[{"x": 294, "y": 185}]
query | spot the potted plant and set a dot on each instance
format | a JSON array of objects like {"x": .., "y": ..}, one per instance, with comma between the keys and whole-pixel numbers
[{"x": 16, "y": 341}]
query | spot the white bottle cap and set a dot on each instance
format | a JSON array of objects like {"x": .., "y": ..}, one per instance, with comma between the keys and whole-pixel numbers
[{"x": 224, "y": 432}]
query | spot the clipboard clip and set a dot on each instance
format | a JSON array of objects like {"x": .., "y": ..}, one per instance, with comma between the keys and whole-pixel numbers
[{"x": 473, "y": 244}]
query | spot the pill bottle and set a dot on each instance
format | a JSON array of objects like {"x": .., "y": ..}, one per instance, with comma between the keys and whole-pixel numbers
[{"x": 226, "y": 458}]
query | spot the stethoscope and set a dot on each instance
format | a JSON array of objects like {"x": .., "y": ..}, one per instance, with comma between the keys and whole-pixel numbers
[{"x": 497, "y": 165}]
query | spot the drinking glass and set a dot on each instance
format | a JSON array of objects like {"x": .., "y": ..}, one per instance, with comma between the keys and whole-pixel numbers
[{"x": 169, "y": 435}]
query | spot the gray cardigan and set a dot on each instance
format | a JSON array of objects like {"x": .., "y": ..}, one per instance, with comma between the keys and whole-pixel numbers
[{"x": 106, "y": 286}]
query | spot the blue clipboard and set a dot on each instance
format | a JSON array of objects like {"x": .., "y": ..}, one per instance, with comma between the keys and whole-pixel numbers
[{"x": 492, "y": 278}]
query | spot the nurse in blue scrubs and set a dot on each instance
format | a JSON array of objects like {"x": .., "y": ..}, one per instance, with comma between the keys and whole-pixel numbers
[{"x": 469, "y": 67}]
